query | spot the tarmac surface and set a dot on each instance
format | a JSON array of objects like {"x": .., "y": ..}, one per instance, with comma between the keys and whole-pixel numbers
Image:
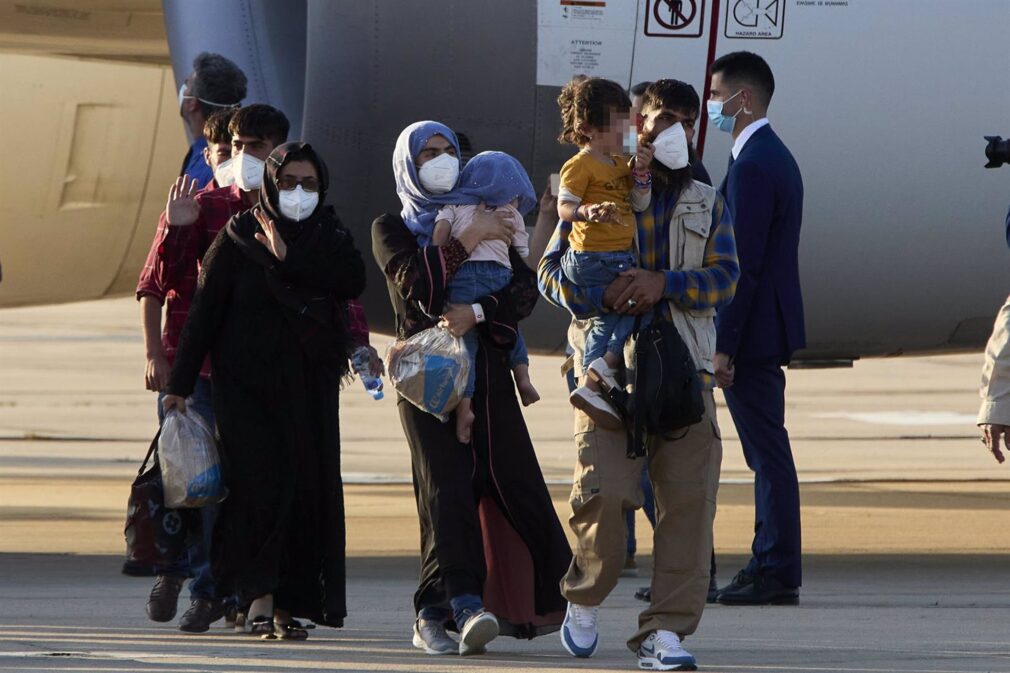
[{"x": 905, "y": 524}]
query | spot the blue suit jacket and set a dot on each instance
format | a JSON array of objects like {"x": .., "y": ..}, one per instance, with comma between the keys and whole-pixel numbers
[{"x": 764, "y": 192}]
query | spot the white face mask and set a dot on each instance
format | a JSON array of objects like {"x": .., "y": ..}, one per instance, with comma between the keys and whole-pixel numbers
[
  {"x": 439, "y": 175},
  {"x": 297, "y": 204},
  {"x": 224, "y": 174},
  {"x": 670, "y": 147},
  {"x": 182, "y": 94},
  {"x": 248, "y": 171}
]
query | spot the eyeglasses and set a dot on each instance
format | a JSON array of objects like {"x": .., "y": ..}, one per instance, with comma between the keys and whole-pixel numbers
[{"x": 289, "y": 182}]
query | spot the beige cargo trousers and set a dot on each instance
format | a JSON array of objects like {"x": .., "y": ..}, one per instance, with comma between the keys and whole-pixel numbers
[{"x": 685, "y": 479}]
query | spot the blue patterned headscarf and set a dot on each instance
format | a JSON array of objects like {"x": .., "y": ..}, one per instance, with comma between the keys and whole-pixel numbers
[
  {"x": 495, "y": 178},
  {"x": 419, "y": 205}
]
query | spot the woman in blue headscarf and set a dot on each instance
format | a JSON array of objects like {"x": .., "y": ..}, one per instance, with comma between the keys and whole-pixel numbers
[{"x": 491, "y": 541}]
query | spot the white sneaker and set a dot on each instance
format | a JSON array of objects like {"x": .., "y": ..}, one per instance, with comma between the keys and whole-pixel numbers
[
  {"x": 604, "y": 371},
  {"x": 592, "y": 404},
  {"x": 431, "y": 636},
  {"x": 479, "y": 630},
  {"x": 662, "y": 651},
  {"x": 580, "y": 634}
]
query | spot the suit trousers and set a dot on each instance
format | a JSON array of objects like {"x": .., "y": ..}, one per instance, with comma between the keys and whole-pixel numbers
[
  {"x": 685, "y": 479},
  {"x": 756, "y": 401}
]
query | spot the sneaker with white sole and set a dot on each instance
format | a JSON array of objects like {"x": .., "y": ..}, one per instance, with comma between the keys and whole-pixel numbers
[
  {"x": 604, "y": 373},
  {"x": 431, "y": 636},
  {"x": 580, "y": 633},
  {"x": 592, "y": 404},
  {"x": 479, "y": 629},
  {"x": 662, "y": 651}
]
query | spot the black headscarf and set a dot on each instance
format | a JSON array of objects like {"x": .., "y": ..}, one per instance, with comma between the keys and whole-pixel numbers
[
  {"x": 270, "y": 194},
  {"x": 314, "y": 315}
]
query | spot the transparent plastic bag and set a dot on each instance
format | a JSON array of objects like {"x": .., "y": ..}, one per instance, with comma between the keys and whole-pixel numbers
[
  {"x": 190, "y": 467},
  {"x": 430, "y": 370}
]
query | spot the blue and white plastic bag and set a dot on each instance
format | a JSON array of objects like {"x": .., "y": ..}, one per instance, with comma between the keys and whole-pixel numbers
[
  {"x": 190, "y": 467},
  {"x": 429, "y": 370}
]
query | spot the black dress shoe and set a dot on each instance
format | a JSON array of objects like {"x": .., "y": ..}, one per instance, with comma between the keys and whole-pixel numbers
[
  {"x": 645, "y": 593},
  {"x": 713, "y": 590},
  {"x": 201, "y": 614},
  {"x": 763, "y": 590},
  {"x": 742, "y": 579},
  {"x": 164, "y": 598}
]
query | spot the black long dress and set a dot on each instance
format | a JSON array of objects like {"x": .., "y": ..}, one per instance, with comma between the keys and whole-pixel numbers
[
  {"x": 281, "y": 529},
  {"x": 488, "y": 525}
]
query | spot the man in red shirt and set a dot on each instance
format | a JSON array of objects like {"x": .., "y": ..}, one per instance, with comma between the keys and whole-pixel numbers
[{"x": 189, "y": 224}]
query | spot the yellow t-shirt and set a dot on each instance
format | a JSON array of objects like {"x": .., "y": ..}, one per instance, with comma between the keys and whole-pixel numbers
[{"x": 590, "y": 181}]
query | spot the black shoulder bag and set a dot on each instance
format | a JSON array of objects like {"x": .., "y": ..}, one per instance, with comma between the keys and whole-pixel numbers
[{"x": 666, "y": 391}]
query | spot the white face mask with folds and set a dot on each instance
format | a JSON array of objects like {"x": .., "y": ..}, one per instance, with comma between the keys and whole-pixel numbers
[
  {"x": 248, "y": 171},
  {"x": 439, "y": 175},
  {"x": 224, "y": 174},
  {"x": 670, "y": 147},
  {"x": 297, "y": 204}
]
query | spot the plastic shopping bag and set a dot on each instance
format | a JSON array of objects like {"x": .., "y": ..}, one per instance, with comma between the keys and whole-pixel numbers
[
  {"x": 430, "y": 370},
  {"x": 190, "y": 468}
]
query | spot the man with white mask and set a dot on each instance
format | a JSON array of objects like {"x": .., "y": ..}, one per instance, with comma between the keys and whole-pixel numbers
[
  {"x": 687, "y": 268},
  {"x": 215, "y": 84},
  {"x": 190, "y": 222}
]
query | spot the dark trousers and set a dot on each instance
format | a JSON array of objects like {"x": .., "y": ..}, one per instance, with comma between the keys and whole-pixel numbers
[
  {"x": 757, "y": 403},
  {"x": 452, "y": 551}
]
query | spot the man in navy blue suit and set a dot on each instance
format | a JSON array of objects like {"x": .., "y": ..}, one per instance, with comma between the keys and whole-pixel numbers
[{"x": 762, "y": 327}]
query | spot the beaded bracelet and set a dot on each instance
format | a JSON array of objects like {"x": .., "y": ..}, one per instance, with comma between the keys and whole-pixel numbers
[{"x": 643, "y": 183}]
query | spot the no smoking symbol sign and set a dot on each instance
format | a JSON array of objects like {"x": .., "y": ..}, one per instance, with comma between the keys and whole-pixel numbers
[{"x": 674, "y": 18}]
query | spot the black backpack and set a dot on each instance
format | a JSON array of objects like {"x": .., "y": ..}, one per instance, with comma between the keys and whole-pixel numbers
[{"x": 666, "y": 389}]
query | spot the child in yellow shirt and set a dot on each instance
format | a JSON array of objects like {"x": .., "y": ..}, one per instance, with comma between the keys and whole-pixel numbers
[{"x": 600, "y": 192}]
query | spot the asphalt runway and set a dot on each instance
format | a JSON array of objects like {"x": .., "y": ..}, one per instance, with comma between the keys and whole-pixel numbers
[{"x": 905, "y": 523}]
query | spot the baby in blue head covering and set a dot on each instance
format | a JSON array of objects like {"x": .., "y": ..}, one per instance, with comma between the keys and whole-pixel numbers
[{"x": 491, "y": 181}]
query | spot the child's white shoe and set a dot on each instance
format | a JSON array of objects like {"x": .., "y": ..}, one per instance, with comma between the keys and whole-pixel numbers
[
  {"x": 604, "y": 372},
  {"x": 592, "y": 404}
]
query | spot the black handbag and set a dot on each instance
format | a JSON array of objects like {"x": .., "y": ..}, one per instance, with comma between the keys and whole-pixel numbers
[{"x": 155, "y": 535}]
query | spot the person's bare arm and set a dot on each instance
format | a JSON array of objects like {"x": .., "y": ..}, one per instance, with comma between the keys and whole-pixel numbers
[
  {"x": 156, "y": 369},
  {"x": 547, "y": 221},
  {"x": 440, "y": 235}
]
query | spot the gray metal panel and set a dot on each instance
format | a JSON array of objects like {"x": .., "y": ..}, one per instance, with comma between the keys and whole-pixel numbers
[
  {"x": 266, "y": 39},
  {"x": 374, "y": 68}
]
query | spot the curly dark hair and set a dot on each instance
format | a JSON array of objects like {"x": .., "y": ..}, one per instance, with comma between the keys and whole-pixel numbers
[
  {"x": 589, "y": 102},
  {"x": 218, "y": 80},
  {"x": 215, "y": 129}
]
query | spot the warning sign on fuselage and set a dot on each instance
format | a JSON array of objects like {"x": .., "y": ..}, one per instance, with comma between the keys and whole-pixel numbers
[
  {"x": 674, "y": 18},
  {"x": 755, "y": 19}
]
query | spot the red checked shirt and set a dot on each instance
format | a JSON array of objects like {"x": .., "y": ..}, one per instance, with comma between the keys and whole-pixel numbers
[{"x": 173, "y": 263}]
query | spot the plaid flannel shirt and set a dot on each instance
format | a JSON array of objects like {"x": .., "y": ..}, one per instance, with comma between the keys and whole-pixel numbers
[{"x": 711, "y": 286}]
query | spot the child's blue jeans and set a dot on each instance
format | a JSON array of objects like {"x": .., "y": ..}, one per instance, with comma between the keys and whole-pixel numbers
[
  {"x": 608, "y": 331},
  {"x": 472, "y": 281}
]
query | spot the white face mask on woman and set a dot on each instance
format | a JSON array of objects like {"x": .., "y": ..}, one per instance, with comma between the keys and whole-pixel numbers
[
  {"x": 248, "y": 171},
  {"x": 670, "y": 147},
  {"x": 224, "y": 174},
  {"x": 297, "y": 204},
  {"x": 439, "y": 175}
]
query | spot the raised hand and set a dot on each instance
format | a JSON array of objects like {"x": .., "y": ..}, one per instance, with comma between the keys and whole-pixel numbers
[
  {"x": 182, "y": 209},
  {"x": 643, "y": 157},
  {"x": 270, "y": 237}
]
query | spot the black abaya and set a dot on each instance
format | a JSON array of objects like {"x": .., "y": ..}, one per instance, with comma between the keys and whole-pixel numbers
[{"x": 281, "y": 530}]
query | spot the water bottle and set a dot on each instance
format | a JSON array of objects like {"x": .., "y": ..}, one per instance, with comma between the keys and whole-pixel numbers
[{"x": 360, "y": 362}]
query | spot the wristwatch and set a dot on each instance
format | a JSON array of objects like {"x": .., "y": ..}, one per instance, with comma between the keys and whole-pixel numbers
[{"x": 478, "y": 312}]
